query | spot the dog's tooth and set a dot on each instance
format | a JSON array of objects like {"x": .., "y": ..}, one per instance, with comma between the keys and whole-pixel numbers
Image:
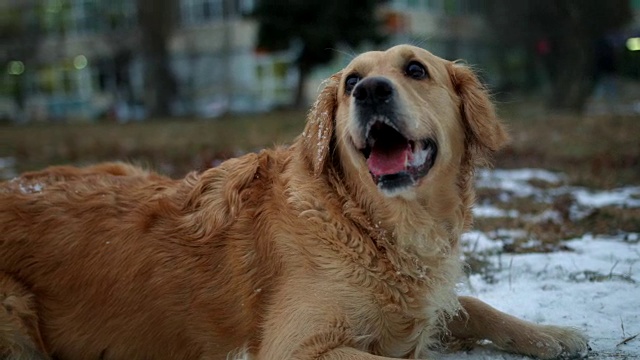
[
  {"x": 415, "y": 146},
  {"x": 371, "y": 141}
]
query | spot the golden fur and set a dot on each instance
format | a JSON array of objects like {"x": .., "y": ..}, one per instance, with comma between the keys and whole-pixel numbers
[{"x": 292, "y": 253}]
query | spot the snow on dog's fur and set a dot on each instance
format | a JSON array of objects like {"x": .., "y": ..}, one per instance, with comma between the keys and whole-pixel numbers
[{"x": 342, "y": 246}]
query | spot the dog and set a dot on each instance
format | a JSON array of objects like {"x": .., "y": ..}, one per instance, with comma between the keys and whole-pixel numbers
[{"x": 344, "y": 245}]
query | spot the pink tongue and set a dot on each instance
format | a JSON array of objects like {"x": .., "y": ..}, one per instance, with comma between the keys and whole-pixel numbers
[{"x": 386, "y": 161}]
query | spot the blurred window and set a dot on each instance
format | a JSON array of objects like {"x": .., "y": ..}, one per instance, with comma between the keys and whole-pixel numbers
[
  {"x": 246, "y": 7},
  {"x": 58, "y": 80},
  {"x": 55, "y": 17},
  {"x": 119, "y": 14},
  {"x": 195, "y": 12},
  {"x": 84, "y": 13},
  {"x": 447, "y": 7},
  {"x": 430, "y": 5},
  {"x": 86, "y": 16}
]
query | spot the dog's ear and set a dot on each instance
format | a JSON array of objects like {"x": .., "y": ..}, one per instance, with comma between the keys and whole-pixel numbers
[
  {"x": 318, "y": 134},
  {"x": 484, "y": 133}
]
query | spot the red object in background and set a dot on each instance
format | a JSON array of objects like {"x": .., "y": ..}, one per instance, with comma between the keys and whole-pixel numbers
[
  {"x": 395, "y": 22},
  {"x": 261, "y": 51},
  {"x": 543, "y": 47}
]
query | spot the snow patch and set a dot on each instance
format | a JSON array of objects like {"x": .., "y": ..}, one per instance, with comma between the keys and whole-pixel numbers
[
  {"x": 595, "y": 288},
  {"x": 516, "y": 181},
  {"x": 488, "y": 211},
  {"x": 626, "y": 196},
  {"x": 594, "y": 285}
]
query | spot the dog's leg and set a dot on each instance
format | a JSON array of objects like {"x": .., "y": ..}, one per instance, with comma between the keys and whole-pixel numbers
[
  {"x": 351, "y": 354},
  {"x": 334, "y": 342},
  {"x": 322, "y": 346},
  {"x": 19, "y": 334},
  {"x": 303, "y": 329},
  {"x": 483, "y": 322}
]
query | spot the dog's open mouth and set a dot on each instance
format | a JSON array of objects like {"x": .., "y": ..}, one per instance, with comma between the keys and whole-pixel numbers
[{"x": 395, "y": 161}]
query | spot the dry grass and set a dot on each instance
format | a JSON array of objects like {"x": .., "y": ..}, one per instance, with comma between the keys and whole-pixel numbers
[
  {"x": 594, "y": 151},
  {"x": 173, "y": 147}
]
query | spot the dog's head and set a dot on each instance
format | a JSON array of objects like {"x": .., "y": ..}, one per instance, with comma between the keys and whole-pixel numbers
[{"x": 405, "y": 117}]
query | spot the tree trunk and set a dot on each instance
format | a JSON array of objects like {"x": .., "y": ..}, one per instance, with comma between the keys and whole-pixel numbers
[
  {"x": 159, "y": 85},
  {"x": 572, "y": 78},
  {"x": 156, "y": 20},
  {"x": 300, "y": 101}
]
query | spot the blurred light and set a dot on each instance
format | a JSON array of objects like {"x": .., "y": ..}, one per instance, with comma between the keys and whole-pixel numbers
[
  {"x": 15, "y": 68},
  {"x": 633, "y": 44},
  {"x": 80, "y": 62}
]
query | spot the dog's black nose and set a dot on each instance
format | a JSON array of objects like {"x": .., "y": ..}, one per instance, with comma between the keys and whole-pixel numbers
[{"x": 373, "y": 90}]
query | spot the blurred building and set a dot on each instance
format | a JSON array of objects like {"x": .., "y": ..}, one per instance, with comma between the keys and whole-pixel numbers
[{"x": 80, "y": 59}]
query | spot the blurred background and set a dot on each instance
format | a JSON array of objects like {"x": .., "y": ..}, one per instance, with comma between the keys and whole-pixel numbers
[
  {"x": 183, "y": 84},
  {"x": 125, "y": 60}
]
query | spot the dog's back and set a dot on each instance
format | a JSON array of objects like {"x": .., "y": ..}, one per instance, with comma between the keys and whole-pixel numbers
[
  {"x": 96, "y": 254},
  {"x": 73, "y": 208},
  {"x": 59, "y": 227}
]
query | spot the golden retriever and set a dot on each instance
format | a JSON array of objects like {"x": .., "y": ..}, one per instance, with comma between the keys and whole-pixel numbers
[{"x": 344, "y": 245}]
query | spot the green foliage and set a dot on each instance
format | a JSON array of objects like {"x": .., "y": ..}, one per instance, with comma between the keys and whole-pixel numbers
[{"x": 317, "y": 25}]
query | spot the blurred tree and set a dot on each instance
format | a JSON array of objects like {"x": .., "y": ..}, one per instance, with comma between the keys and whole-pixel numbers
[
  {"x": 317, "y": 27},
  {"x": 116, "y": 23},
  {"x": 157, "y": 19},
  {"x": 20, "y": 34},
  {"x": 564, "y": 36}
]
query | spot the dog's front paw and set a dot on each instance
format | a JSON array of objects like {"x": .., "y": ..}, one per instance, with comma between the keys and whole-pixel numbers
[
  {"x": 575, "y": 345},
  {"x": 553, "y": 342}
]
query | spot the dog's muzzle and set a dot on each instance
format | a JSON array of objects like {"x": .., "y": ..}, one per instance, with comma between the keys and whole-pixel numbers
[{"x": 395, "y": 160}]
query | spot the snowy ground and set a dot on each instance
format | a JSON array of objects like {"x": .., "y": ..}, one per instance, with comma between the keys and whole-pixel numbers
[{"x": 593, "y": 284}]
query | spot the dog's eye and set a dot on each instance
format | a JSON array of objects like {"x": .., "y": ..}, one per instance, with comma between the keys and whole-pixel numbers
[
  {"x": 350, "y": 83},
  {"x": 416, "y": 70}
]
